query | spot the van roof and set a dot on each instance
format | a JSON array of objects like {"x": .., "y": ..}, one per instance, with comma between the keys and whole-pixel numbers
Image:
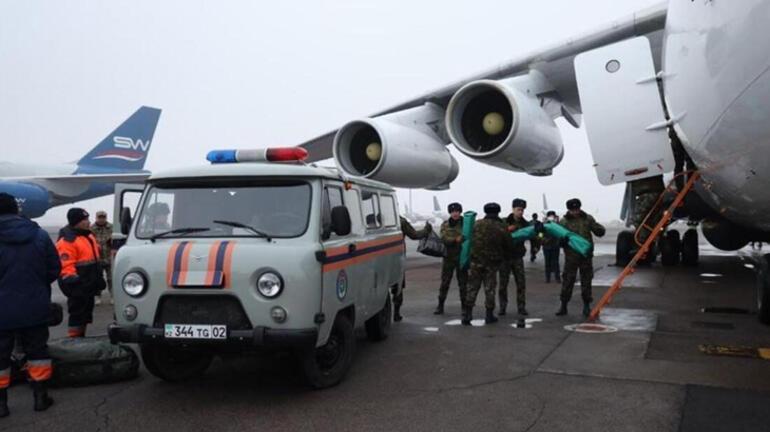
[{"x": 263, "y": 169}]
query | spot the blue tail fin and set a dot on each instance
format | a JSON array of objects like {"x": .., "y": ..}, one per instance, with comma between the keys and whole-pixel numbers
[{"x": 126, "y": 148}]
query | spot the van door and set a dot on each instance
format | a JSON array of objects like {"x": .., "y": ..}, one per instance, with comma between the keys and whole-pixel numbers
[
  {"x": 339, "y": 273},
  {"x": 127, "y": 197}
]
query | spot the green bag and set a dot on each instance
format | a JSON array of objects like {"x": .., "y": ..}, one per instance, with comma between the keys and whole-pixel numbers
[
  {"x": 469, "y": 218},
  {"x": 574, "y": 241},
  {"x": 91, "y": 360}
]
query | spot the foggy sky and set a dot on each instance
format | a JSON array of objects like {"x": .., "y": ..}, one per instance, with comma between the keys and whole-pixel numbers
[{"x": 256, "y": 74}]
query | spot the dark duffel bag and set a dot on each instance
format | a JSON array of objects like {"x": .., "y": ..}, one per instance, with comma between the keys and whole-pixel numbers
[
  {"x": 91, "y": 360},
  {"x": 432, "y": 246}
]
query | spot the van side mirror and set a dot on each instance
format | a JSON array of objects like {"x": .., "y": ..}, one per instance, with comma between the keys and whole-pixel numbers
[
  {"x": 125, "y": 220},
  {"x": 341, "y": 221}
]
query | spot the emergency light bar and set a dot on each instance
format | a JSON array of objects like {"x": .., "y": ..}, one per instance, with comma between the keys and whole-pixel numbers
[{"x": 275, "y": 154}]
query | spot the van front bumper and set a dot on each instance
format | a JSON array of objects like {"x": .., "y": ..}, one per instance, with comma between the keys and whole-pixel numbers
[{"x": 262, "y": 337}]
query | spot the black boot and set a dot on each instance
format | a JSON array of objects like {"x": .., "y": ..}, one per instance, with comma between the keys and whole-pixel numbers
[
  {"x": 4, "y": 403},
  {"x": 503, "y": 306},
  {"x": 586, "y": 309},
  {"x": 523, "y": 310},
  {"x": 397, "y": 313},
  {"x": 491, "y": 318},
  {"x": 467, "y": 316},
  {"x": 440, "y": 308},
  {"x": 42, "y": 400},
  {"x": 562, "y": 310}
]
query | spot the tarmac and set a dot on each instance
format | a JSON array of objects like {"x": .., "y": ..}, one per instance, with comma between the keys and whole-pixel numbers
[{"x": 431, "y": 374}]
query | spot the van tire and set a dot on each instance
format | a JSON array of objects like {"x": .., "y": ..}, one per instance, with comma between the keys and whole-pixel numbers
[
  {"x": 378, "y": 326},
  {"x": 326, "y": 366},
  {"x": 174, "y": 364}
]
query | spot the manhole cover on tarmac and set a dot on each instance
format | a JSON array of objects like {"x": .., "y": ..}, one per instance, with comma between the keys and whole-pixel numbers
[{"x": 590, "y": 328}]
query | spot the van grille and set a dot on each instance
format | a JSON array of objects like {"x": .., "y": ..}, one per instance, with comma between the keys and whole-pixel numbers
[{"x": 208, "y": 309}]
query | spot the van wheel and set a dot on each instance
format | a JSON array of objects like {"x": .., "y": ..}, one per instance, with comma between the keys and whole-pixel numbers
[
  {"x": 378, "y": 326},
  {"x": 175, "y": 364},
  {"x": 325, "y": 366}
]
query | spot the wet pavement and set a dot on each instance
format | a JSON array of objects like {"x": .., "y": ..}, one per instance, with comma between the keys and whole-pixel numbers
[{"x": 520, "y": 374}]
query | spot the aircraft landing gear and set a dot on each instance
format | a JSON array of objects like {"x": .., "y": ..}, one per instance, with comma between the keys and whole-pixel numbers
[
  {"x": 624, "y": 247},
  {"x": 670, "y": 248},
  {"x": 763, "y": 290},
  {"x": 690, "y": 247}
]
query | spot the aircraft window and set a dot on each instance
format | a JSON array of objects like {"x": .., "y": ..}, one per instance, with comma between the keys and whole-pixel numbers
[{"x": 389, "y": 217}]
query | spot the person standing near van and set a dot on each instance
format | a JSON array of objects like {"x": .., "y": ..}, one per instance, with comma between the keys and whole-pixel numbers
[
  {"x": 452, "y": 237},
  {"x": 28, "y": 265},
  {"x": 398, "y": 292},
  {"x": 81, "y": 276},
  {"x": 102, "y": 230},
  {"x": 551, "y": 251}
]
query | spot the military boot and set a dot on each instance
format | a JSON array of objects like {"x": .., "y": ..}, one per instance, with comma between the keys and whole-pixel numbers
[
  {"x": 440, "y": 308},
  {"x": 523, "y": 310},
  {"x": 42, "y": 400},
  {"x": 4, "y": 403},
  {"x": 586, "y": 309},
  {"x": 397, "y": 314},
  {"x": 491, "y": 318},
  {"x": 562, "y": 310},
  {"x": 503, "y": 306},
  {"x": 467, "y": 316}
]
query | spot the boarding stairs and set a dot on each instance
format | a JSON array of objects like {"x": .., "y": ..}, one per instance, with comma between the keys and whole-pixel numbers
[{"x": 646, "y": 234}]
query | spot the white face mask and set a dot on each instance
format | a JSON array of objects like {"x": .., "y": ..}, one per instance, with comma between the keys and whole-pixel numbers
[{"x": 551, "y": 219}]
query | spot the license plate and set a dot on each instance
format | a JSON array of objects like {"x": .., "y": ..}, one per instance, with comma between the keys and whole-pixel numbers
[{"x": 195, "y": 331}]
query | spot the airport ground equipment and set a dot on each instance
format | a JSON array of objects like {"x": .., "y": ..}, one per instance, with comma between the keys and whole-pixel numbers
[{"x": 654, "y": 232}]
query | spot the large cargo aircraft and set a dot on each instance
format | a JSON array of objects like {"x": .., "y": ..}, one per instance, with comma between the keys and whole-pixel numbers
[
  {"x": 681, "y": 85},
  {"x": 120, "y": 157}
]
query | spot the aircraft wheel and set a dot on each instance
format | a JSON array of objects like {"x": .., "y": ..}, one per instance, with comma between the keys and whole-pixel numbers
[
  {"x": 670, "y": 247},
  {"x": 623, "y": 247},
  {"x": 763, "y": 290},
  {"x": 690, "y": 247}
]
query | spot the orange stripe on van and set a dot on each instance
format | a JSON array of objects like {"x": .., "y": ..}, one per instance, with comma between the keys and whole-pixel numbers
[
  {"x": 170, "y": 263},
  {"x": 362, "y": 258},
  {"x": 212, "y": 263},
  {"x": 228, "y": 263},
  {"x": 185, "y": 264}
]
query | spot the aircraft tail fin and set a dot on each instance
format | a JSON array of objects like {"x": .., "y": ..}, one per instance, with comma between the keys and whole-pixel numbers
[
  {"x": 126, "y": 148},
  {"x": 436, "y": 207},
  {"x": 545, "y": 204}
]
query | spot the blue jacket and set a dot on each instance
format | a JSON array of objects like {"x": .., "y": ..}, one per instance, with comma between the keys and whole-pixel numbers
[{"x": 28, "y": 265}]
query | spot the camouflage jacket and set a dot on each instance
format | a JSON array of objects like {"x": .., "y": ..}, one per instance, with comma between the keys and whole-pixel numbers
[
  {"x": 490, "y": 243},
  {"x": 583, "y": 224},
  {"x": 412, "y": 233},
  {"x": 103, "y": 236},
  {"x": 449, "y": 233},
  {"x": 517, "y": 249}
]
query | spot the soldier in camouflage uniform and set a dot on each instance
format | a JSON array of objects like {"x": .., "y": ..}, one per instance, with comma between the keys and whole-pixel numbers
[
  {"x": 489, "y": 245},
  {"x": 514, "y": 260},
  {"x": 103, "y": 232},
  {"x": 452, "y": 236},
  {"x": 397, "y": 292},
  {"x": 583, "y": 224},
  {"x": 551, "y": 251}
]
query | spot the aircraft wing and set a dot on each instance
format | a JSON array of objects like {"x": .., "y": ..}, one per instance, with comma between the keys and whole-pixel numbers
[
  {"x": 75, "y": 184},
  {"x": 555, "y": 63}
]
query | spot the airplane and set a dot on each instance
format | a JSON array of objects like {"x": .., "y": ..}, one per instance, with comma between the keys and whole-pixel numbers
[
  {"x": 436, "y": 217},
  {"x": 119, "y": 158},
  {"x": 679, "y": 86}
]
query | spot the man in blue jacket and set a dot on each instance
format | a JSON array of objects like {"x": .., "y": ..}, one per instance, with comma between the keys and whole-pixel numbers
[{"x": 29, "y": 264}]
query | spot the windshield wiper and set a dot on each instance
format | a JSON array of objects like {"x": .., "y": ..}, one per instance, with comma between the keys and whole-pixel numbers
[
  {"x": 234, "y": 224},
  {"x": 178, "y": 231}
]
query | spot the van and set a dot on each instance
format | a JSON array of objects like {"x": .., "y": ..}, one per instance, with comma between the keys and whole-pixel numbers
[{"x": 256, "y": 251}]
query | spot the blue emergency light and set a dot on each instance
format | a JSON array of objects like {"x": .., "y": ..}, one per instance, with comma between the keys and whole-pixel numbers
[{"x": 274, "y": 154}]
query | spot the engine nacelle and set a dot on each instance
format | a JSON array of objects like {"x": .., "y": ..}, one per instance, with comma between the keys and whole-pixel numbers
[
  {"x": 502, "y": 123},
  {"x": 32, "y": 199},
  {"x": 403, "y": 149}
]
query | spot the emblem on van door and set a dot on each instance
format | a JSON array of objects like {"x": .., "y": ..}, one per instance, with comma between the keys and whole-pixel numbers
[{"x": 342, "y": 284}]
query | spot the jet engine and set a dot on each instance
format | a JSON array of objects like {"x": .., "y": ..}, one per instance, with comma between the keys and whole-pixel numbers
[
  {"x": 725, "y": 235},
  {"x": 32, "y": 199},
  {"x": 503, "y": 123},
  {"x": 403, "y": 149}
]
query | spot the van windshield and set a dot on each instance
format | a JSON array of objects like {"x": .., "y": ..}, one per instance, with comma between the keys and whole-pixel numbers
[{"x": 226, "y": 209}]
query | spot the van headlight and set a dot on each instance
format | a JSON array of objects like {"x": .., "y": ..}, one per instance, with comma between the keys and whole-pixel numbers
[
  {"x": 270, "y": 284},
  {"x": 134, "y": 284}
]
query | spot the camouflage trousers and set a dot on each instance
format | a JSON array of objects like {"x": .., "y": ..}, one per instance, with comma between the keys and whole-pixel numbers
[
  {"x": 451, "y": 266},
  {"x": 515, "y": 266},
  {"x": 482, "y": 273},
  {"x": 573, "y": 263}
]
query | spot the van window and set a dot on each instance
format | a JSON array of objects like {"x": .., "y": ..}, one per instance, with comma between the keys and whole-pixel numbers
[
  {"x": 389, "y": 216},
  {"x": 371, "y": 208},
  {"x": 332, "y": 197}
]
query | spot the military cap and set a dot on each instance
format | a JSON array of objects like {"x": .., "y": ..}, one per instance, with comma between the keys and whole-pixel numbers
[
  {"x": 574, "y": 204},
  {"x": 518, "y": 202},
  {"x": 492, "y": 208},
  {"x": 455, "y": 206}
]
